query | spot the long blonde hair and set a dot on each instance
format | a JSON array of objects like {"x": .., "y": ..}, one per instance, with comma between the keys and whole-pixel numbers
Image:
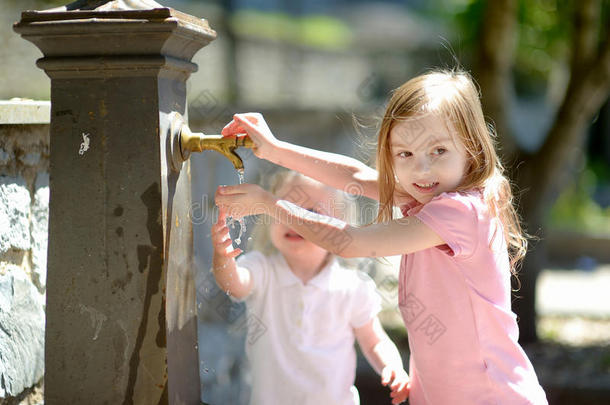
[{"x": 453, "y": 96}]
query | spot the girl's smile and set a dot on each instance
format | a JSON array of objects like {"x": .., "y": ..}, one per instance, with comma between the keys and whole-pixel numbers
[{"x": 426, "y": 187}]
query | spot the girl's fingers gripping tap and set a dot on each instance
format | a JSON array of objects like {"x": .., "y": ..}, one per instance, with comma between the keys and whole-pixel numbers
[
  {"x": 257, "y": 129},
  {"x": 232, "y": 129}
]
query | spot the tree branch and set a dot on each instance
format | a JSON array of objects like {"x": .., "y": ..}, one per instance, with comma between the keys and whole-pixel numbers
[
  {"x": 584, "y": 38},
  {"x": 496, "y": 53},
  {"x": 588, "y": 89}
]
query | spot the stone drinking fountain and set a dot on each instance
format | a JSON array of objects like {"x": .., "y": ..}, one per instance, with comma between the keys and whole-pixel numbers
[{"x": 121, "y": 309}]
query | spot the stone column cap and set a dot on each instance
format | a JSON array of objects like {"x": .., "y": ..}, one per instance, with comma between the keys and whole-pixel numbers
[
  {"x": 158, "y": 13},
  {"x": 99, "y": 38},
  {"x": 24, "y": 111},
  {"x": 114, "y": 29}
]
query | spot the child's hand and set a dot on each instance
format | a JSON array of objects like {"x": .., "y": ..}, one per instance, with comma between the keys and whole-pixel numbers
[
  {"x": 244, "y": 199},
  {"x": 221, "y": 239},
  {"x": 398, "y": 381},
  {"x": 255, "y": 126}
]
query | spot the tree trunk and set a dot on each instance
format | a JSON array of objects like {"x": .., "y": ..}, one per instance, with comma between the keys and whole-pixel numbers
[
  {"x": 543, "y": 174},
  {"x": 494, "y": 62},
  {"x": 524, "y": 296},
  {"x": 230, "y": 65}
]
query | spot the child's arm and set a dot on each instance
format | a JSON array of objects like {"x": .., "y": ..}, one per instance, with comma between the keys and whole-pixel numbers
[
  {"x": 384, "y": 357},
  {"x": 401, "y": 236},
  {"x": 232, "y": 279},
  {"x": 338, "y": 171}
]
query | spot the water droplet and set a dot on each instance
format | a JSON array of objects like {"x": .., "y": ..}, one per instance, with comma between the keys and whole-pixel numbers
[{"x": 241, "y": 173}]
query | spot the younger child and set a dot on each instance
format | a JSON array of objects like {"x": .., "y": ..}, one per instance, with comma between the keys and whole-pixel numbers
[
  {"x": 312, "y": 309},
  {"x": 460, "y": 236}
]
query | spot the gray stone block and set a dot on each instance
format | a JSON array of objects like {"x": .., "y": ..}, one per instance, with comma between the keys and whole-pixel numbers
[
  {"x": 5, "y": 157},
  {"x": 22, "y": 324},
  {"x": 14, "y": 214},
  {"x": 30, "y": 158},
  {"x": 40, "y": 229},
  {"x": 24, "y": 112}
]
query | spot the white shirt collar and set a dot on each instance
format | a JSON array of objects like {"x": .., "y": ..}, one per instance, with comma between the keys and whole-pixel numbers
[{"x": 287, "y": 278}]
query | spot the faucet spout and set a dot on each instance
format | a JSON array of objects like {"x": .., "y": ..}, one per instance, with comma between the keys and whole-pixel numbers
[{"x": 198, "y": 142}]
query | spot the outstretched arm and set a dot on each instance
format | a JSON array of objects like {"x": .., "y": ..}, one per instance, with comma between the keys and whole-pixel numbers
[
  {"x": 384, "y": 357},
  {"x": 230, "y": 278},
  {"x": 336, "y": 170},
  {"x": 401, "y": 236}
]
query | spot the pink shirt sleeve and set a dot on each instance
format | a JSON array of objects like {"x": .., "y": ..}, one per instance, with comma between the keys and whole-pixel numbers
[{"x": 454, "y": 218}]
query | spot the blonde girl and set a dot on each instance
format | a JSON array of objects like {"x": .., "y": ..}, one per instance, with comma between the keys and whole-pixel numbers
[{"x": 459, "y": 235}]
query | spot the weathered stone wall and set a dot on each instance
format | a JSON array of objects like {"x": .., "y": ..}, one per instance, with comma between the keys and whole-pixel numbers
[{"x": 24, "y": 199}]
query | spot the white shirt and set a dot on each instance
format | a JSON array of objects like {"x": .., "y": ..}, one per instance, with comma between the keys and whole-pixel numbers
[{"x": 300, "y": 341}]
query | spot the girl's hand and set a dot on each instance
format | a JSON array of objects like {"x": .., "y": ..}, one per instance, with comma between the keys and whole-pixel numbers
[
  {"x": 244, "y": 199},
  {"x": 398, "y": 380},
  {"x": 255, "y": 126},
  {"x": 221, "y": 239}
]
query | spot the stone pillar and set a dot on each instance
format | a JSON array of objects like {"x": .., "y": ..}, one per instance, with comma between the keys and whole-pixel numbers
[
  {"x": 24, "y": 197},
  {"x": 121, "y": 311}
]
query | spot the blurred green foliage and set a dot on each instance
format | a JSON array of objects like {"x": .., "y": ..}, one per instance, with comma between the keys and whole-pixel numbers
[
  {"x": 316, "y": 31},
  {"x": 36, "y": 4},
  {"x": 576, "y": 210},
  {"x": 543, "y": 42}
]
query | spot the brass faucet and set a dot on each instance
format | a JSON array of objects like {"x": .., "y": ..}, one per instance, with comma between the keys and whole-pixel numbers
[{"x": 197, "y": 142}]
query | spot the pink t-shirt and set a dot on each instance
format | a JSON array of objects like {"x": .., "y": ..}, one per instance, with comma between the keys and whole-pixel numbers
[{"x": 455, "y": 302}]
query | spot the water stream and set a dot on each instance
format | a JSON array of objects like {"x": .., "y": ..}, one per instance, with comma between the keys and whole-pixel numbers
[{"x": 242, "y": 220}]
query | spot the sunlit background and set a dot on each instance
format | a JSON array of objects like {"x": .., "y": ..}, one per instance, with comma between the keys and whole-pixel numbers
[{"x": 321, "y": 70}]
